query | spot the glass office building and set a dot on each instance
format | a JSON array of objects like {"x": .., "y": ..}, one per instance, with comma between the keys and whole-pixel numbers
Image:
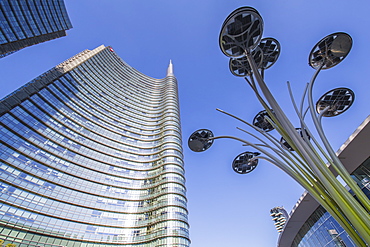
[
  {"x": 91, "y": 155},
  {"x": 28, "y": 22}
]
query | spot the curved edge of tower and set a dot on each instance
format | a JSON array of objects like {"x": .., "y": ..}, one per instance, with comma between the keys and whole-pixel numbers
[{"x": 91, "y": 155}]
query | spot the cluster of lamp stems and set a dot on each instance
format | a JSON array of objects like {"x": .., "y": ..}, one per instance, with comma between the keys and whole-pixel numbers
[{"x": 309, "y": 164}]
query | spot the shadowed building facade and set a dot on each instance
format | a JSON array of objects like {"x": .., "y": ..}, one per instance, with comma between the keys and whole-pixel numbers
[
  {"x": 91, "y": 155},
  {"x": 28, "y": 22}
]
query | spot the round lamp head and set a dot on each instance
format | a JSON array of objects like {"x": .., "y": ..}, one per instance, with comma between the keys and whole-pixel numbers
[
  {"x": 330, "y": 51},
  {"x": 240, "y": 66},
  {"x": 243, "y": 164},
  {"x": 260, "y": 121},
  {"x": 284, "y": 144},
  {"x": 271, "y": 51},
  {"x": 336, "y": 101},
  {"x": 199, "y": 140},
  {"x": 241, "y": 32}
]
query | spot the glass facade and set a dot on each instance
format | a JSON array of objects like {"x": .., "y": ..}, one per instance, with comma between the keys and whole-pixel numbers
[
  {"x": 91, "y": 155},
  {"x": 321, "y": 229},
  {"x": 28, "y": 22}
]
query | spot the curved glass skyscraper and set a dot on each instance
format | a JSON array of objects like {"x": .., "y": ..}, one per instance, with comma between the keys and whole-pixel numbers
[
  {"x": 28, "y": 22},
  {"x": 90, "y": 155}
]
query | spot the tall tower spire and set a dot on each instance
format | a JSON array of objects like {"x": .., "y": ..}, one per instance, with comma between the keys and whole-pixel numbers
[{"x": 170, "y": 69}]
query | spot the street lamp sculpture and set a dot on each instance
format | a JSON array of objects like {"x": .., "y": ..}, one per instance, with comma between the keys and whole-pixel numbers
[{"x": 298, "y": 152}]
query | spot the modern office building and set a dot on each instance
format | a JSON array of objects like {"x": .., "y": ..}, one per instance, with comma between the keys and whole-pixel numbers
[
  {"x": 91, "y": 155},
  {"x": 279, "y": 217},
  {"x": 310, "y": 225},
  {"x": 28, "y": 22}
]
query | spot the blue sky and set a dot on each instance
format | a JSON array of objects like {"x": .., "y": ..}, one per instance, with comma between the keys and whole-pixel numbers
[{"x": 226, "y": 209}]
